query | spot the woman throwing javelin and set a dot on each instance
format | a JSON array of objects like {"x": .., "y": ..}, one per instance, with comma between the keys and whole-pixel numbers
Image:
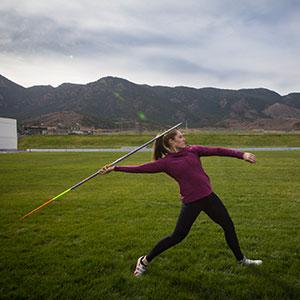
[{"x": 182, "y": 162}]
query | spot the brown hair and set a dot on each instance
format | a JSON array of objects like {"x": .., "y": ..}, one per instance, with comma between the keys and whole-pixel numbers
[{"x": 161, "y": 145}]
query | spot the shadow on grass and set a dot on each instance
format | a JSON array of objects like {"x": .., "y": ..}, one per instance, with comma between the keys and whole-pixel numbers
[
  {"x": 256, "y": 283},
  {"x": 291, "y": 291}
]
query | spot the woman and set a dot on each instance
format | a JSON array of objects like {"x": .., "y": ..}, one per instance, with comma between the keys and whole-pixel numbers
[{"x": 182, "y": 162}]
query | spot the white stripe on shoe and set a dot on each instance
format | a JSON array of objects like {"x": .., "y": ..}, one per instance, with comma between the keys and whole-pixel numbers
[{"x": 139, "y": 268}]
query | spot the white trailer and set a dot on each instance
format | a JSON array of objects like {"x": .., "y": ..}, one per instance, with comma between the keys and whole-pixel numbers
[{"x": 8, "y": 134}]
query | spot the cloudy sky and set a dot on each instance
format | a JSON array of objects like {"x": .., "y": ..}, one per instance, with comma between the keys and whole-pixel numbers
[{"x": 216, "y": 43}]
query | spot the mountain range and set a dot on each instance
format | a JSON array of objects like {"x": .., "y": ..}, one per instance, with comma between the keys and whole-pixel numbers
[{"x": 111, "y": 102}]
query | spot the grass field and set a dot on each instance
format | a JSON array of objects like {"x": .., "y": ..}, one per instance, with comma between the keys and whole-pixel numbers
[
  {"x": 226, "y": 139},
  {"x": 85, "y": 245}
]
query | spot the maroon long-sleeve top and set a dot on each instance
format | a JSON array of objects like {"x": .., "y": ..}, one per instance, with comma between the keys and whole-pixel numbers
[{"x": 186, "y": 168}]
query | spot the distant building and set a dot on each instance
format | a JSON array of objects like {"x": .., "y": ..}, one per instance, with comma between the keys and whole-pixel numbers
[
  {"x": 30, "y": 130},
  {"x": 8, "y": 134}
]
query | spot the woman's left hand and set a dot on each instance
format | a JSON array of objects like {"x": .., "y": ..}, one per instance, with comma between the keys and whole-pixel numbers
[{"x": 249, "y": 157}]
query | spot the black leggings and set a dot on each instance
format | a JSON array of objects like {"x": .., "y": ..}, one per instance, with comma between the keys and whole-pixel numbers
[{"x": 215, "y": 209}]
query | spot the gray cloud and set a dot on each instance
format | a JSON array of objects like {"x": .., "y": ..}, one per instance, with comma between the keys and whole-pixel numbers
[
  {"x": 232, "y": 44},
  {"x": 184, "y": 67}
]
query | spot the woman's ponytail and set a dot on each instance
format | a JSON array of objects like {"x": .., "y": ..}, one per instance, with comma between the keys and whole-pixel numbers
[{"x": 161, "y": 145}]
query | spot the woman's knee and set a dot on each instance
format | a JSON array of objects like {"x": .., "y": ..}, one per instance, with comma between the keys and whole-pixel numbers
[
  {"x": 228, "y": 225},
  {"x": 178, "y": 236}
]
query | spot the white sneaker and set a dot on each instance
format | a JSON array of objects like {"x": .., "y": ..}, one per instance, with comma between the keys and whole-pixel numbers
[
  {"x": 139, "y": 268},
  {"x": 246, "y": 261}
]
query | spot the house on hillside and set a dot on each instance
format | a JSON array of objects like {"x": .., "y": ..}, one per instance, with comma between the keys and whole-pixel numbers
[{"x": 35, "y": 130}]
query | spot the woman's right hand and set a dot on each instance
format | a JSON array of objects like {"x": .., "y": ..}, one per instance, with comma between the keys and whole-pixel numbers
[
  {"x": 106, "y": 169},
  {"x": 249, "y": 157}
]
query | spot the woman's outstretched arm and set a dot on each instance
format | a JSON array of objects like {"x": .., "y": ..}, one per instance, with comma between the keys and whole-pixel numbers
[
  {"x": 156, "y": 166},
  {"x": 150, "y": 167},
  {"x": 221, "y": 151}
]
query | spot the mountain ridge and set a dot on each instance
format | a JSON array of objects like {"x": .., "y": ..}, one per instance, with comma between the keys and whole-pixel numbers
[{"x": 109, "y": 101}]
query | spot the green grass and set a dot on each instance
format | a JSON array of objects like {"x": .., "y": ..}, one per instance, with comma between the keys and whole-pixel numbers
[
  {"x": 85, "y": 245},
  {"x": 226, "y": 139}
]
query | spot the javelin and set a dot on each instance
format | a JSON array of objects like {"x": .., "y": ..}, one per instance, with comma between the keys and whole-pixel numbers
[{"x": 97, "y": 173}]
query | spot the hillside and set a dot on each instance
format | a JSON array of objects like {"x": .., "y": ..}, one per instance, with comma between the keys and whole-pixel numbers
[{"x": 111, "y": 101}]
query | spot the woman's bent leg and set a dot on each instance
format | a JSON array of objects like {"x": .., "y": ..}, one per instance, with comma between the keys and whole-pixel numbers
[
  {"x": 216, "y": 210},
  {"x": 187, "y": 216}
]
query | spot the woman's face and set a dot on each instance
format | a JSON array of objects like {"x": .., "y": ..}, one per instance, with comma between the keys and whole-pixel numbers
[{"x": 178, "y": 141}]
